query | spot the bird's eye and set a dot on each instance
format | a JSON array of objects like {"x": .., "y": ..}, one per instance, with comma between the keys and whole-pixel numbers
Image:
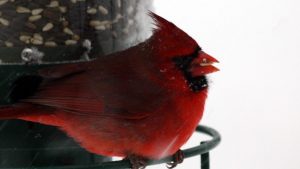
[
  {"x": 195, "y": 53},
  {"x": 198, "y": 48}
]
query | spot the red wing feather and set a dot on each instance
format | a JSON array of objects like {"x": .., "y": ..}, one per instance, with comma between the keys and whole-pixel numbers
[
  {"x": 84, "y": 106},
  {"x": 71, "y": 93}
]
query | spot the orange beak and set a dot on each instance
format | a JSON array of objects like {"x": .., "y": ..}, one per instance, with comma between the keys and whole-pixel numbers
[{"x": 202, "y": 65}]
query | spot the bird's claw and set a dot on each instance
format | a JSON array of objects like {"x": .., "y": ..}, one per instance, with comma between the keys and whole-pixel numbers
[
  {"x": 137, "y": 162},
  {"x": 177, "y": 159}
]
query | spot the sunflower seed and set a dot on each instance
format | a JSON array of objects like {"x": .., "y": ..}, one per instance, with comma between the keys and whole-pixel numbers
[
  {"x": 119, "y": 3},
  {"x": 91, "y": 11},
  {"x": 102, "y": 10},
  {"x": 25, "y": 38},
  {"x": 75, "y": 37},
  {"x": 4, "y": 22},
  {"x": 38, "y": 36},
  {"x": 100, "y": 27},
  {"x": 37, "y": 11},
  {"x": 95, "y": 23},
  {"x": 48, "y": 27},
  {"x": 118, "y": 17},
  {"x": 34, "y": 18},
  {"x": 21, "y": 9},
  {"x": 53, "y": 4},
  {"x": 68, "y": 31},
  {"x": 36, "y": 41},
  {"x": 50, "y": 44},
  {"x": 2, "y": 2},
  {"x": 70, "y": 42},
  {"x": 63, "y": 9},
  {"x": 8, "y": 44}
]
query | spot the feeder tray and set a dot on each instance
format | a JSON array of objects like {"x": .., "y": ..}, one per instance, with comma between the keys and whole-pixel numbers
[{"x": 203, "y": 150}]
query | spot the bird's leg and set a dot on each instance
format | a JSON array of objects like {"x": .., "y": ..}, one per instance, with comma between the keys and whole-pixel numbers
[
  {"x": 177, "y": 159},
  {"x": 137, "y": 162}
]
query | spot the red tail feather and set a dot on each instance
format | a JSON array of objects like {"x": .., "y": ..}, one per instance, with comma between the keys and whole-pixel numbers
[{"x": 29, "y": 112}]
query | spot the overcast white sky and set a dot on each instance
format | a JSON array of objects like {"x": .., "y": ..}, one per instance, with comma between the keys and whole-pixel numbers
[{"x": 254, "y": 100}]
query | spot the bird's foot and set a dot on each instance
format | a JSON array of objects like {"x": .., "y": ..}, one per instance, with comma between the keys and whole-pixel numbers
[
  {"x": 137, "y": 162},
  {"x": 177, "y": 159}
]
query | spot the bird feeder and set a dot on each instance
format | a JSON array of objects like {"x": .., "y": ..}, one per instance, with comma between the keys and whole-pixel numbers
[
  {"x": 35, "y": 34},
  {"x": 41, "y": 33}
]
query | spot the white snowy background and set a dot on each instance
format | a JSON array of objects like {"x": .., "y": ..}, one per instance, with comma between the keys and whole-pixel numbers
[{"x": 254, "y": 101}]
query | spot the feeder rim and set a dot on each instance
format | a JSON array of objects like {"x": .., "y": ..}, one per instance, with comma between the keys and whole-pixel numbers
[{"x": 45, "y": 63}]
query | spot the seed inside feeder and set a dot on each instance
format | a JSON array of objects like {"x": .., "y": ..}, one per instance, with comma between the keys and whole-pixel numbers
[{"x": 57, "y": 23}]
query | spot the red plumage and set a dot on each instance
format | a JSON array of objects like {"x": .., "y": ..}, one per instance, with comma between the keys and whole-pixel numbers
[{"x": 144, "y": 101}]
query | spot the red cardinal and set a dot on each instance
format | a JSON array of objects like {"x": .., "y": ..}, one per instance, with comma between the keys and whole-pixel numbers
[{"x": 141, "y": 102}]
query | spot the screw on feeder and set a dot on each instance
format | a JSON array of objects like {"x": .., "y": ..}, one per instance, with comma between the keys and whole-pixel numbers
[
  {"x": 31, "y": 55},
  {"x": 87, "y": 46}
]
